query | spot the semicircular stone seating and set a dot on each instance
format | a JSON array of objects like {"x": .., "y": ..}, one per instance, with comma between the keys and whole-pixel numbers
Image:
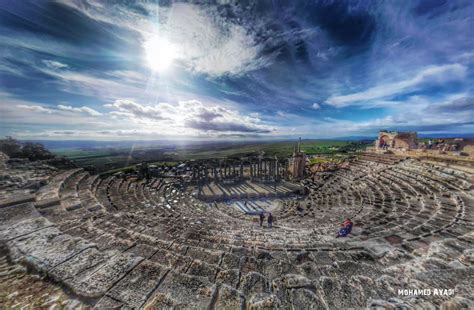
[{"x": 124, "y": 242}]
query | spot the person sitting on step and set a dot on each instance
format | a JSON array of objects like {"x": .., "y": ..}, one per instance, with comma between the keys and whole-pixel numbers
[{"x": 345, "y": 229}]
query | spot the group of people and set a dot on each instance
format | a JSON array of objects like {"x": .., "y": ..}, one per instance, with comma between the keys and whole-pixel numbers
[
  {"x": 269, "y": 219},
  {"x": 383, "y": 145},
  {"x": 345, "y": 229}
]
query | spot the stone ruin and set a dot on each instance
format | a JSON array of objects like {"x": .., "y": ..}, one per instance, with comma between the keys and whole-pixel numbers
[
  {"x": 298, "y": 162},
  {"x": 246, "y": 178},
  {"x": 125, "y": 242},
  {"x": 394, "y": 140}
]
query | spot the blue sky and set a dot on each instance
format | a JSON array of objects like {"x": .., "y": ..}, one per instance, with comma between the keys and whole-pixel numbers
[{"x": 111, "y": 70}]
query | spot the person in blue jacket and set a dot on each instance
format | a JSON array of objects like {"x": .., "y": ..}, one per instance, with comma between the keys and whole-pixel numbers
[{"x": 345, "y": 229}]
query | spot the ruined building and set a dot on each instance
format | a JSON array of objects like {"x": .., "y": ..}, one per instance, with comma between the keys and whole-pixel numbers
[
  {"x": 396, "y": 140},
  {"x": 297, "y": 162}
]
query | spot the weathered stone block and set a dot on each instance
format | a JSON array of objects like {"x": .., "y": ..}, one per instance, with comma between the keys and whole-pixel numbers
[
  {"x": 190, "y": 292},
  {"x": 14, "y": 214},
  {"x": 86, "y": 260},
  {"x": 199, "y": 268},
  {"x": 46, "y": 203},
  {"x": 95, "y": 283},
  {"x": 109, "y": 303},
  {"x": 16, "y": 200},
  {"x": 134, "y": 289},
  {"x": 254, "y": 282},
  {"x": 229, "y": 277},
  {"x": 229, "y": 298},
  {"x": 263, "y": 301},
  {"x": 47, "y": 248},
  {"x": 25, "y": 227}
]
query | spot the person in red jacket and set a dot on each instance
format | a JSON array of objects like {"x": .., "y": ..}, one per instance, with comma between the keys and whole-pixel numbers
[{"x": 345, "y": 229}]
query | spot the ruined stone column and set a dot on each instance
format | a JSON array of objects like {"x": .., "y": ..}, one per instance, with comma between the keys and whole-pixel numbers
[
  {"x": 275, "y": 175},
  {"x": 265, "y": 174},
  {"x": 263, "y": 170},
  {"x": 194, "y": 173},
  {"x": 259, "y": 174},
  {"x": 270, "y": 169}
]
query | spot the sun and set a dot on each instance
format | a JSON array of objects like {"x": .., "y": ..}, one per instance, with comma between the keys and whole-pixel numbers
[{"x": 159, "y": 53}]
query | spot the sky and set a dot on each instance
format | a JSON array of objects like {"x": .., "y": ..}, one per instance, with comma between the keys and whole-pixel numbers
[{"x": 118, "y": 70}]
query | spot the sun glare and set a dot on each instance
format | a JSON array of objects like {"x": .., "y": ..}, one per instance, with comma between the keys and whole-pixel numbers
[{"x": 159, "y": 53}]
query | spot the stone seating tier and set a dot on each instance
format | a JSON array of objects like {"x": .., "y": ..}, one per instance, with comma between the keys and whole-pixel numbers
[{"x": 123, "y": 242}]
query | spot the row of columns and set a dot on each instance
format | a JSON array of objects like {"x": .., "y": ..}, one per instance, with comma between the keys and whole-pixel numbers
[
  {"x": 261, "y": 170},
  {"x": 268, "y": 170},
  {"x": 205, "y": 173}
]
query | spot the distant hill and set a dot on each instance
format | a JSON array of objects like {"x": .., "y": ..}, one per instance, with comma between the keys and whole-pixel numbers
[{"x": 97, "y": 144}]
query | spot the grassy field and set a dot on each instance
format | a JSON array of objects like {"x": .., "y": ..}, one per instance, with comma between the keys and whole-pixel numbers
[{"x": 106, "y": 159}]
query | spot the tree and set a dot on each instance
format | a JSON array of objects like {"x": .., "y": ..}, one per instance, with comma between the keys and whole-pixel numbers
[
  {"x": 30, "y": 150},
  {"x": 36, "y": 151},
  {"x": 11, "y": 147}
]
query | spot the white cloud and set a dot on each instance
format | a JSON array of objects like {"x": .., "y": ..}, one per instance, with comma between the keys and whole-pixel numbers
[
  {"x": 15, "y": 113},
  {"x": 466, "y": 57},
  {"x": 431, "y": 74},
  {"x": 188, "y": 116},
  {"x": 131, "y": 109},
  {"x": 41, "y": 109},
  {"x": 316, "y": 106},
  {"x": 82, "y": 109},
  {"x": 206, "y": 42},
  {"x": 209, "y": 44},
  {"x": 35, "y": 108},
  {"x": 281, "y": 114},
  {"x": 51, "y": 64}
]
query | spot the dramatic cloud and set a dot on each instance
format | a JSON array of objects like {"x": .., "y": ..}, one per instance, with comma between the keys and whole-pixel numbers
[
  {"x": 220, "y": 119},
  {"x": 236, "y": 69},
  {"x": 465, "y": 104},
  {"x": 430, "y": 75},
  {"x": 210, "y": 44},
  {"x": 189, "y": 114},
  {"x": 206, "y": 42},
  {"x": 224, "y": 126}
]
